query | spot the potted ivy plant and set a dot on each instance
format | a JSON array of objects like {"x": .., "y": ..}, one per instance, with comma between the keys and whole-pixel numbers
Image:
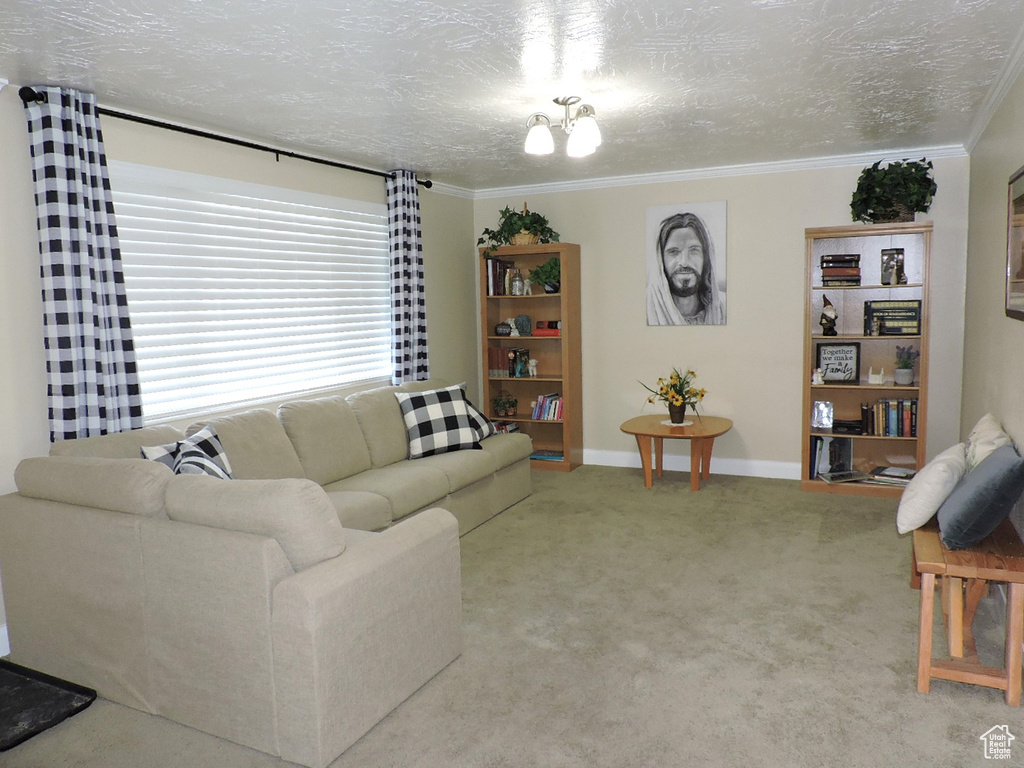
[
  {"x": 893, "y": 193},
  {"x": 515, "y": 228},
  {"x": 548, "y": 275}
]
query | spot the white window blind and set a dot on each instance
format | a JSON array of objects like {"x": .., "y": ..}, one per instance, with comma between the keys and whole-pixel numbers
[{"x": 241, "y": 293}]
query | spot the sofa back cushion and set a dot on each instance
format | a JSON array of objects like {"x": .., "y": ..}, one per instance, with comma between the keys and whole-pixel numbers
[
  {"x": 380, "y": 421},
  {"x": 326, "y": 437},
  {"x": 132, "y": 486},
  {"x": 119, "y": 445},
  {"x": 255, "y": 444},
  {"x": 295, "y": 512}
]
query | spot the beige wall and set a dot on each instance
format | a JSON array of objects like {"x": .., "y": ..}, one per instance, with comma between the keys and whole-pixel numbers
[
  {"x": 994, "y": 350},
  {"x": 751, "y": 366}
]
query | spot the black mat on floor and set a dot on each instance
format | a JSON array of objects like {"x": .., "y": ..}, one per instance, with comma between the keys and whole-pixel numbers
[{"x": 31, "y": 702}]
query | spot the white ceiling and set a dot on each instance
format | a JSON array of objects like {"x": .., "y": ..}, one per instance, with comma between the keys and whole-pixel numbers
[{"x": 444, "y": 87}]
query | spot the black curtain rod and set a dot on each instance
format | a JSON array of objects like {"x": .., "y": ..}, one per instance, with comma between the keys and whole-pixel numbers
[{"x": 28, "y": 95}]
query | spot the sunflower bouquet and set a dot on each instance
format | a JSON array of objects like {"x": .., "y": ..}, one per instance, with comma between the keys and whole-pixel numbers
[{"x": 677, "y": 389}]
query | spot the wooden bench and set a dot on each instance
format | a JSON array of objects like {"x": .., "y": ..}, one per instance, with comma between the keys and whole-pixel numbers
[{"x": 963, "y": 576}]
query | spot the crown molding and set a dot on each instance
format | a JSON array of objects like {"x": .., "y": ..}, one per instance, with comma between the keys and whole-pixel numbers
[
  {"x": 449, "y": 189},
  {"x": 814, "y": 163},
  {"x": 1012, "y": 70}
]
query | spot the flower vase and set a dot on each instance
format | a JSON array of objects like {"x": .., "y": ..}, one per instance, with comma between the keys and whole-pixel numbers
[{"x": 677, "y": 413}]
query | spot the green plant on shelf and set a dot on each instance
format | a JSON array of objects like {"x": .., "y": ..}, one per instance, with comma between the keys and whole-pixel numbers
[
  {"x": 504, "y": 404},
  {"x": 905, "y": 356}
]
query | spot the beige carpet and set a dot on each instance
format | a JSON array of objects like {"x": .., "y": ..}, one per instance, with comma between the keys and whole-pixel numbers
[{"x": 609, "y": 625}]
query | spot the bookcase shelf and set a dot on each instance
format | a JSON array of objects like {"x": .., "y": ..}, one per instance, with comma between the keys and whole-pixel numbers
[
  {"x": 559, "y": 358},
  {"x": 856, "y": 306}
]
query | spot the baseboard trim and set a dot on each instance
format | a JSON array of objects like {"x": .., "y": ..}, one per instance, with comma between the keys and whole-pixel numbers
[
  {"x": 676, "y": 462},
  {"x": 5, "y": 646}
]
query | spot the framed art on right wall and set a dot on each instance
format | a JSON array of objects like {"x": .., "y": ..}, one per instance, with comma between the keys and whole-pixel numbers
[{"x": 1015, "y": 247}]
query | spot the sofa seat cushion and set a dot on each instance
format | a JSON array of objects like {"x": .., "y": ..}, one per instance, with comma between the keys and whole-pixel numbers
[
  {"x": 463, "y": 467},
  {"x": 408, "y": 486},
  {"x": 507, "y": 449},
  {"x": 361, "y": 510},
  {"x": 438, "y": 421},
  {"x": 257, "y": 444},
  {"x": 117, "y": 445},
  {"x": 295, "y": 512},
  {"x": 326, "y": 437},
  {"x": 133, "y": 486}
]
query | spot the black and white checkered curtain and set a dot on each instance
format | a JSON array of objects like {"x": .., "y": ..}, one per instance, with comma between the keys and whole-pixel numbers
[
  {"x": 408, "y": 306},
  {"x": 92, "y": 380}
]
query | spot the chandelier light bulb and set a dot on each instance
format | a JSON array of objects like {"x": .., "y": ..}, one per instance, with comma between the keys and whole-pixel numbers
[
  {"x": 539, "y": 140},
  {"x": 587, "y": 126}
]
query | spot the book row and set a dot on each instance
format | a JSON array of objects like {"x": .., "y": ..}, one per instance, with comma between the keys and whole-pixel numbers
[
  {"x": 513, "y": 362},
  {"x": 890, "y": 417},
  {"x": 547, "y": 408}
]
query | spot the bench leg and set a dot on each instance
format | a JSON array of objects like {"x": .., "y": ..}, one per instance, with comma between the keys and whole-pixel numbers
[
  {"x": 953, "y": 608},
  {"x": 1014, "y": 636},
  {"x": 924, "y": 638}
]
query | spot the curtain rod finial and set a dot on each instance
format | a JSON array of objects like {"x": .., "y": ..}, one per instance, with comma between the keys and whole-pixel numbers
[{"x": 29, "y": 95}]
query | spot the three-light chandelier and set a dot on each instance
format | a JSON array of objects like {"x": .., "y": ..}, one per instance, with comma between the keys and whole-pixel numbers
[{"x": 584, "y": 135}]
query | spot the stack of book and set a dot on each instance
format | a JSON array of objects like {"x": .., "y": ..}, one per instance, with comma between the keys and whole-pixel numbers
[
  {"x": 890, "y": 417},
  {"x": 840, "y": 269},
  {"x": 548, "y": 408},
  {"x": 506, "y": 427},
  {"x": 890, "y": 476}
]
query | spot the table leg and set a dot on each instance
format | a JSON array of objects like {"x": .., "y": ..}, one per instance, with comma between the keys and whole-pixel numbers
[
  {"x": 924, "y": 636},
  {"x": 705, "y": 459},
  {"x": 696, "y": 454},
  {"x": 659, "y": 453},
  {"x": 643, "y": 443},
  {"x": 1014, "y": 635}
]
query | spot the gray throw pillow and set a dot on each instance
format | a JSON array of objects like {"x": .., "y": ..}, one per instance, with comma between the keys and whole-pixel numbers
[{"x": 982, "y": 499}]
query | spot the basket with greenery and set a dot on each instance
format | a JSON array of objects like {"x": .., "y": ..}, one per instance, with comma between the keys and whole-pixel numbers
[
  {"x": 893, "y": 193},
  {"x": 515, "y": 228}
]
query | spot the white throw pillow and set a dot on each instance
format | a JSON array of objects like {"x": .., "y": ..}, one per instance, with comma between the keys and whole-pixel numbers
[
  {"x": 986, "y": 436},
  {"x": 925, "y": 493}
]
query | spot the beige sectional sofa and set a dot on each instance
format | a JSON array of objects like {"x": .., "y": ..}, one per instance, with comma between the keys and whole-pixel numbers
[{"x": 288, "y": 610}]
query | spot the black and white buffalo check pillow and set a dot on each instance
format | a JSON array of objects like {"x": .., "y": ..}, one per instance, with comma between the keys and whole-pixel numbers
[
  {"x": 198, "y": 454},
  {"x": 484, "y": 427},
  {"x": 437, "y": 421}
]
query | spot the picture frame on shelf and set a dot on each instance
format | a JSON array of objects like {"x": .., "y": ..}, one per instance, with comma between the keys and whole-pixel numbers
[{"x": 839, "y": 362}]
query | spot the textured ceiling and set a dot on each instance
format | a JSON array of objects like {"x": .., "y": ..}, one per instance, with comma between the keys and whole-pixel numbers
[{"x": 444, "y": 87}]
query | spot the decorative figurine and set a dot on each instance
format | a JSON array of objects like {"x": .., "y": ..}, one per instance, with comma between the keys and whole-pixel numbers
[
  {"x": 512, "y": 324},
  {"x": 828, "y": 318},
  {"x": 532, "y": 367},
  {"x": 816, "y": 377}
]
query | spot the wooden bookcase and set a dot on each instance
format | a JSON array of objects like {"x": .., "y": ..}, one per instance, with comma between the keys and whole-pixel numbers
[
  {"x": 559, "y": 358},
  {"x": 876, "y": 350}
]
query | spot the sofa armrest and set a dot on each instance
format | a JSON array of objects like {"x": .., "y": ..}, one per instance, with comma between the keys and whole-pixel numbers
[
  {"x": 208, "y": 623},
  {"x": 356, "y": 635}
]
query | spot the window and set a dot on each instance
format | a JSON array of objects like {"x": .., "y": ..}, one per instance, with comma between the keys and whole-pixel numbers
[{"x": 242, "y": 293}]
